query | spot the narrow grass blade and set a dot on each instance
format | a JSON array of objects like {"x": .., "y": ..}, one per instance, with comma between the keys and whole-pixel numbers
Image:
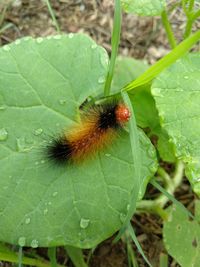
[
  {"x": 164, "y": 62},
  {"x": 170, "y": 197},
  {"x": 52, "y": 15},
  {"x": 135, "y": 147},
  {"x": 115, "y": 45},
  {"x": 134, "y": 238}
]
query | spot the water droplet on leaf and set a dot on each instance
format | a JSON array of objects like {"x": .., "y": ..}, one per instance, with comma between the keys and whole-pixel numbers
[
  {"x": 84, "y": 223},
  {"x": 71, "y": 35},
  {"x": 22, "y": 241},
  {"x": 62, "y": 101},
  {"x": 6, "y": 48},
  {"x": 94, "y": 45},
  {"x": 17, "y": 42},
  {"x": 22, "y": 145},
  {"x": 54, "y": 194},
  {"x": 45, "y": 211},
  {"x": 3, "y": 134},
  {"x": 57, "y": 37},
  {"x": 34, "y": 243},
  {"x": 101, "y": 79},
  {"x": 38, "y": 131},
  {"x": 27, "y": 221},
  {"x": 39, "y": 40}
]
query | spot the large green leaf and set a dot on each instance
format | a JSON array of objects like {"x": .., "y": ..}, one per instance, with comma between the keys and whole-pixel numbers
[
  {"x": 177, "y": 95},
  {"x": 42, "y": 84},
  {"x": 144, "y": 7},
  {"x": 182, "y": 238}
]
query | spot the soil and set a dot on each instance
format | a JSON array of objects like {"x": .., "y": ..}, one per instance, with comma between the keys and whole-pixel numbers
[{"x": 141, "y": 38}]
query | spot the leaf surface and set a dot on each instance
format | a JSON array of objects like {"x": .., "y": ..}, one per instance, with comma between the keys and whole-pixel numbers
[
  {"x": 144, "y": 7},
  {"x": 177, "y": 95},
  {"x": 42, "y": 84},
  {"x": 182, "y": 238}
]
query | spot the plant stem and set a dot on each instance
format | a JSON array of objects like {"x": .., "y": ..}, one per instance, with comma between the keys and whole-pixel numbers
[
  {"x": 52, "y": 256},
  {"x": 76, "y": 256},
  {"x": 190, "y": 19},
  {"x": 115, "y": 44},
  {"x": 168, "y": 29},
  {"x": 156, "y": 206},
  {"x": 52, "y": 16}
]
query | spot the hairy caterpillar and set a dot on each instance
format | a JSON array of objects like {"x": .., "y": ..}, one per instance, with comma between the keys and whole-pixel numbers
[{"x": 99, "y": 124}]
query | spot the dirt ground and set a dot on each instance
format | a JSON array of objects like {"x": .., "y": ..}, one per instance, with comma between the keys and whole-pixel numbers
[{"x": 141, "y": 38}]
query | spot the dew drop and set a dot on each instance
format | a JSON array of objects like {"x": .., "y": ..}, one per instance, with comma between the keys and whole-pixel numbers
[
  {"x": 84, "y": 223},
  {"x": 42, "y": 161},
  {"x": 27, "y": 38},
  {"x": 3, "y": 134},
  {"x": 49, "y": 203},
  {"x": 94, "y": 45},
  {"x": 70, "y": 35},
  {"x": 22, "y": 145},
  {"x": 17, "y": 42},
  {"x": 27, "y": 221},
  {"x": 39, "y": 40},
  {"x": 34, "y": 243},
  {"x": 38, "y": 131},
  {"x": 36, "y": 163},
  {"x": 54, "y": 194},
  {"x": 57, "y": 37},
  {"x": 45, "y": 211},
  {"x": 6, "y": 48},
  {"x": 186, "y": 77},
  {"x": 22, "y": 241},
  {"x": 104, "y": 60},
  {"x": 122, "y": 217},
  {"x": 62, "y": 101},
  {"x": 101, "y": 79},
  {"x": 157, "y": 92},
  {"x": 107, "y": 155}
]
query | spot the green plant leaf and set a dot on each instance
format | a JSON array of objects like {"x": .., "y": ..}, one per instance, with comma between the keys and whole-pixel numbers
[
  {"x": 126, "y": 70},
  {"x": 177, "y": 95},
  {"x": 42, "y": 84},
  {"x": 182, "y": 238},
  {"x": 144, "y": 7}
]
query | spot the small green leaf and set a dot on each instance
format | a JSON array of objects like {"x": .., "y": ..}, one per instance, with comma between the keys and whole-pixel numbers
[
  {"x": 42, "y": 84},
  {"x": 144, "y": 7},
  {"x": 182, "y": 238},
  {"x": 177, "y": 95}
]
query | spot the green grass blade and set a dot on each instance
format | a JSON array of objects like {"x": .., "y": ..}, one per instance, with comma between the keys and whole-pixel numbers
[
  {"x": 134, "y": 238},
  {"x": 13, "y": 257},
  {"x": 135, "y": 146},
  {"x": 172, "y": 198},
  {"x": 164, "y": 62},
  {"x": 115, "y": 44},
  {"x": 52, "y": 15}
]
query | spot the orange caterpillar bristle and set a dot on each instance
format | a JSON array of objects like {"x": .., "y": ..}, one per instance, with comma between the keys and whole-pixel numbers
[{"x": 99, "y": 125}]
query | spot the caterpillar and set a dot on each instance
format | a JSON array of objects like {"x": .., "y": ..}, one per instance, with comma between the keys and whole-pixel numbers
[{"x": 99, "y": 125}]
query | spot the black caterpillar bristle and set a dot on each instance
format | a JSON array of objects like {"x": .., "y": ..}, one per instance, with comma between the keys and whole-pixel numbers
[{"x": 59, "y": 151}]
